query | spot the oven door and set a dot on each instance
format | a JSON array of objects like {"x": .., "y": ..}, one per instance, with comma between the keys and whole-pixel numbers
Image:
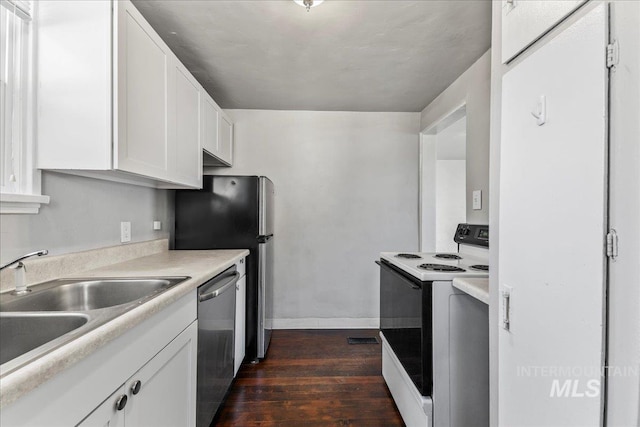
[{"x": 405, "y": 321}]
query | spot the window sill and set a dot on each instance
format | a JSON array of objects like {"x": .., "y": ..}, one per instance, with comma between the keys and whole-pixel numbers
[{"x": 21, "y": 203}]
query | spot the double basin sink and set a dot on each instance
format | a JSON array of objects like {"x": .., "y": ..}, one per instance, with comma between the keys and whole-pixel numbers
[{"x": 59, "y": 311}]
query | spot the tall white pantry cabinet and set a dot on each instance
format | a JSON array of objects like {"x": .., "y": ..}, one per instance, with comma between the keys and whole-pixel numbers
[
  {"x": 114, "y": 102},
  {"x": 553, "y": 225}
]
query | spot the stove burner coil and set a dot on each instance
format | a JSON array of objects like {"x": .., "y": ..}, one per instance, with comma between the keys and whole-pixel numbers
[
  {"x": 447, "y": 256},
  {"x": 480, "y": 267},
  {"x": 440, "y": 267},
  {"x": 408, "y": 256}
]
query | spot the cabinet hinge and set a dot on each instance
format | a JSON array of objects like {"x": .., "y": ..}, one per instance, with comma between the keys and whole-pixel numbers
[
  {"x": 613, "y": 53},
  {"x": 612, "y": 244}
]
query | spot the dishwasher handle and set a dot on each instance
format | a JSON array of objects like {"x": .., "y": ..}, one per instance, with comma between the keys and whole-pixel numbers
[{"x": 230, "y": 282}]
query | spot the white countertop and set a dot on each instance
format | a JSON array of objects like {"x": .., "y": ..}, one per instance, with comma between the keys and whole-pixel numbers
[
  {"x": 476, "y": 287},
  {"x": 199, "y": 265}
]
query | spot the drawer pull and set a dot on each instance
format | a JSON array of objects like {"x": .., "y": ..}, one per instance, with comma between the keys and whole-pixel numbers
[
  {"x": 121, "y": 402},
  {"x": 135, "y": 387}
]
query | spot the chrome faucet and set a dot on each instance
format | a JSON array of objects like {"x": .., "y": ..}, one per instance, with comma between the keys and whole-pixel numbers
[{"x": 21, "y": 286}]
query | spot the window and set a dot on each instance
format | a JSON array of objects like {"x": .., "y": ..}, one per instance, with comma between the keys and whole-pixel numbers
[{"x": 19, "y": 180}]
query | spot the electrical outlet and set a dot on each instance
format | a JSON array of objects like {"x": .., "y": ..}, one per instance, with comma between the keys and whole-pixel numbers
[
  {"x": 157, "y": 225},
  {"x": 125, "y": 232},
  {"x": 477, "y": 200}
]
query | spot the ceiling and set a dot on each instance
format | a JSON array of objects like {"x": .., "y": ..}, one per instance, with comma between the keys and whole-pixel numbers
[{"x": 343, "y": 55}]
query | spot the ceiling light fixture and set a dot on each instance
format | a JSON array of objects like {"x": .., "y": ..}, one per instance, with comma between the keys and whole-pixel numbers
[{"x": 308, "y": 3}]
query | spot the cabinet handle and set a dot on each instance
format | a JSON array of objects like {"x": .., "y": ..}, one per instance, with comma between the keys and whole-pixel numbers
[
  {"x": 121, "y": 402},
  {"x": 135, "y": 387},
  {"x": 506, "y": 308}
]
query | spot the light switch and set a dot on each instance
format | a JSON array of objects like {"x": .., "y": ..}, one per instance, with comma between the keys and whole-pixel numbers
[
  {"x": 477, "y": 200},
  {"x": 157, "y": 225}
]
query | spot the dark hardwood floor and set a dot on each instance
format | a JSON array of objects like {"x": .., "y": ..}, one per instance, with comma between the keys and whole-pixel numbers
[{"x": 312, "y": 378}]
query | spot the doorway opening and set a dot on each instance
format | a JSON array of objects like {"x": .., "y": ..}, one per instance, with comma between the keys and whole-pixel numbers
[{"x": 443, "y": 188}]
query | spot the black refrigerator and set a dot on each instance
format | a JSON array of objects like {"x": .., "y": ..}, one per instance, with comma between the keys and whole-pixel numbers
[{"x": 235, "y": 212}]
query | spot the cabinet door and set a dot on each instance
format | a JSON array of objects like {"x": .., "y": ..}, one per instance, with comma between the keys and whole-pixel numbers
[
  {"x": 74, "y": 93},
  {"x": 167, "y": 392},
  {"x": 241, "y": 321},
  {"x": 186, "y": 162},
  {"x": 142, "y": 64},
  {"x": 552, "y": 230},
  {"x": 225, "y": 139},
  {"x": 210, "y": 112},
  {"x": 524, "y": 21},
  {"x": 107, "y": 414}
]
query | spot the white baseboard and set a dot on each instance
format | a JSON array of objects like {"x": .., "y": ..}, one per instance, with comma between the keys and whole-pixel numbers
[{"x": 326, "y": 323}]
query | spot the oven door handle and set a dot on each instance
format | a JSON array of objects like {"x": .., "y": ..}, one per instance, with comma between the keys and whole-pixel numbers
[{"x": 404, "y": 279}]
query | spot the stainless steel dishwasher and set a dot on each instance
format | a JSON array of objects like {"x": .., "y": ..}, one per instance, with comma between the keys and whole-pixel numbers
[{"x": 216, "y": 327}]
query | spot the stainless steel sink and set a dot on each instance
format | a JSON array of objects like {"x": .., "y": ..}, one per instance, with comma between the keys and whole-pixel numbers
[
  {"x": 56, "y": 312},
  {"x": 22, "y": 333},
  {"x": 83, "y": 295}
]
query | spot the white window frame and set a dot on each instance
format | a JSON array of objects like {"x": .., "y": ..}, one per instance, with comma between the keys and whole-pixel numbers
[{"x": 25, "y": 197}]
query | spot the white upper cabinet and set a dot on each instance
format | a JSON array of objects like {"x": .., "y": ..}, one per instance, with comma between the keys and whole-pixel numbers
[
  {"x": 524, "y": 21},
  {"x": 142, "y": 77},
  {"x": 74, "y": 85},
  {"x": 225, "y": 136},
  {"x": 116, "y": 103},
  {"x": 186, "y": 161},
  {"x": 210, "y": 114},
  {"x": 217, "y": 134}
]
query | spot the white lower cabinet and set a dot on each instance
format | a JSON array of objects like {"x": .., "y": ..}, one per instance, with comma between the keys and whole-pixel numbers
[
  {"x": 241, "y": 322},
  {"x": 160, "y": 352},
  {"x": 166, "y": 386},
  {"x": 161, "y": 393},
  {"x": 108, "y": 414}
]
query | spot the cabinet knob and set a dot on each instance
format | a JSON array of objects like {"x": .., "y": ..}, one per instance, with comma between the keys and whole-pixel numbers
[
  {"x": 135, "y": 387},
  {"x": 121, "y": 402}
]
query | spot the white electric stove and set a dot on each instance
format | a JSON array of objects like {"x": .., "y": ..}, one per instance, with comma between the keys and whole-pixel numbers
[
  {"x": 438, "y": 266},
  {"x": 427, "y": 327}
]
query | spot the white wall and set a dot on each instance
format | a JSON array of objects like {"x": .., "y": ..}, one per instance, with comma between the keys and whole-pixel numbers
[
  {"x": 84, "y": 213},
  {"x": 450, "y": 202},
  {"x": 346, "y": 189},
  {"x": 473, "y": 89}
]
